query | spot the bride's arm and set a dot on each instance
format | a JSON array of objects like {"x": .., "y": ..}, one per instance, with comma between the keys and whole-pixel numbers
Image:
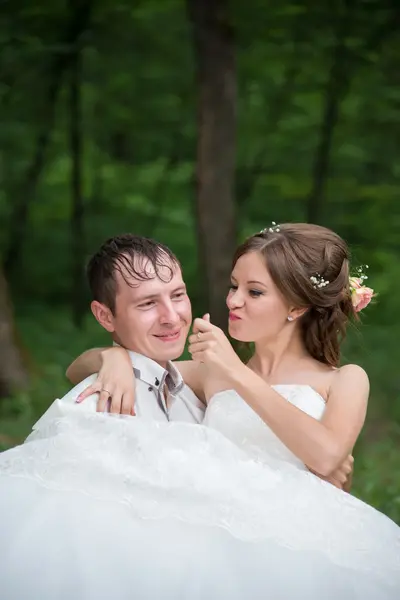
[
  {"x": 86, "y": 364},
  {"x": 116, "y": 378},
  {"x": 321, "y": 445}
]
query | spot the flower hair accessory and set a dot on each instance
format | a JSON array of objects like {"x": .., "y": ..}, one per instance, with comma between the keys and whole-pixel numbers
[
  {"x": 274, "y": 227},
  {"x": 361, "y": 295},
  {"x": 318, "y": 281}
]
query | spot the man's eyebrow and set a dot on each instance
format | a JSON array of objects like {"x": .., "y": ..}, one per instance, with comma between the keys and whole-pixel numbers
[
  {"x": 148, "y": 297},
  {"x": 179, "y": 288},
  {"x": 153, "y": 296}
]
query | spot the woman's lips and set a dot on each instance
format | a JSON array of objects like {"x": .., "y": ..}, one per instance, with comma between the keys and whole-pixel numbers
[{"x": 233, "y": 317}]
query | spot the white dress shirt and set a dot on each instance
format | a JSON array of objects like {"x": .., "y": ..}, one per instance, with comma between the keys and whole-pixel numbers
[{"x": 150, "y": 401}]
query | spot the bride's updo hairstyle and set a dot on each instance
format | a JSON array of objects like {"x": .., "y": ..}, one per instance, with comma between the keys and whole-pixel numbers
[{"x": 309, "y": 264}]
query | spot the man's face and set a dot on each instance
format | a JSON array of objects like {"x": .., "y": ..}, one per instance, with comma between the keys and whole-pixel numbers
[{"x": 152, "y": 317}]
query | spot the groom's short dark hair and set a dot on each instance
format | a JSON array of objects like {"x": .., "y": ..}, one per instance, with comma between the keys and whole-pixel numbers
[{"x": 128, "y": 254}]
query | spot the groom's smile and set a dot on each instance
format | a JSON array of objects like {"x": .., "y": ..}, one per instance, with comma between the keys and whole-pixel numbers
[{"x": 171, "y": 336}]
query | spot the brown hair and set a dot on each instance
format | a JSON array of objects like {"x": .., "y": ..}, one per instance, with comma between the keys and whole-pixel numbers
[
  {"x": 129, "y": 255},
  {"x": 294, "y": 253}
]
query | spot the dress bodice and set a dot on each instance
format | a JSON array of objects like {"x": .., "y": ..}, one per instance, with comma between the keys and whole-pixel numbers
[{"x": 228, "y": 413}]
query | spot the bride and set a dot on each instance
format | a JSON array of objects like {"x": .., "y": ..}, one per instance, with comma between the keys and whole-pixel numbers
[{"x": 97, "y": 506}]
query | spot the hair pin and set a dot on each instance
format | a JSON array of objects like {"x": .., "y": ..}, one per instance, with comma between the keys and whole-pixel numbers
[
  {"x": 318, "y": 282},
  {"x": 271, "y": 229},
  {"x": 360, "y": 273}
]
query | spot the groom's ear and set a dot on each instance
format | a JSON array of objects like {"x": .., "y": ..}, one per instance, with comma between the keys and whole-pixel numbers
[{"x": 103, "y": 315}]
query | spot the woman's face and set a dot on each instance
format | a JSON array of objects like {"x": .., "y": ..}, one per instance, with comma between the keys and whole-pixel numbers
[{"x": 257, "y": 310}]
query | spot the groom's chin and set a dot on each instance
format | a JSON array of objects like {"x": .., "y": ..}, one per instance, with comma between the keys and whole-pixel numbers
[
  {"x": 171, "y": 351},
  {"x": 176, "y": 352}
]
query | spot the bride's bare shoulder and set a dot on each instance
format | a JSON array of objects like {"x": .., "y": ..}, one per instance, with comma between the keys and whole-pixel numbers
[{"x": 351, "y": 373}]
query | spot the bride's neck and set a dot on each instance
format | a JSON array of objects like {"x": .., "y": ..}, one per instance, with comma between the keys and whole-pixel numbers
[{"x": 271, "y": 359}]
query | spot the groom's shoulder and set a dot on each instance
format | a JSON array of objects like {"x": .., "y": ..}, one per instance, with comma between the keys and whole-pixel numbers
[{"x": 63, "y": 406}]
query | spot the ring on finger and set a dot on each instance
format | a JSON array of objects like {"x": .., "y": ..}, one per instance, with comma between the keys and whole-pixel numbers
[
  {"x": 199, "y": 335},
  {"x": 104, "y": 390}
]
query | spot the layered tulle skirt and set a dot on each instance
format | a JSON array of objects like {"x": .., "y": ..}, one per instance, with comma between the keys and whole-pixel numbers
[{"x": 96, "y": 507}]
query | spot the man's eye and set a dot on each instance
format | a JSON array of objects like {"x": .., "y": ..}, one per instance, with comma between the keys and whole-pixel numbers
[
  {"x": 146, "y": 304},
  {"x": 179, "y": 295}
]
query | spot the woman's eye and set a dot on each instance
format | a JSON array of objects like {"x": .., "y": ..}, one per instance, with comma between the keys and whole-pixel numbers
[
  {"x": 233, "y": 287},
  {"x": 255, "y": 293}
]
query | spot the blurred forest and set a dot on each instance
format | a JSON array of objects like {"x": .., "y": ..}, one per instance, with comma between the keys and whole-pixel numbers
[{"x": 195, "y": 122}]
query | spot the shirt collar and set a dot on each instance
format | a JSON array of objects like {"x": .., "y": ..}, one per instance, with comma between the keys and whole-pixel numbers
[{"x": 155, "y": 375}]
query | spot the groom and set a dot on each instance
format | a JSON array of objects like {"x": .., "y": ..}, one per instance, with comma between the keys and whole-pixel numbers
[{"x": 140, "y": 298}]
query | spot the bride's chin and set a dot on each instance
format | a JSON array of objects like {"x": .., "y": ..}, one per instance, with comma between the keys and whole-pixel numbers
[{"x": 239, "y": 337}]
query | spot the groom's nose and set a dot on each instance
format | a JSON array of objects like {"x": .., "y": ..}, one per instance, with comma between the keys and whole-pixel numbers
[{"x": 168, "y": 314}]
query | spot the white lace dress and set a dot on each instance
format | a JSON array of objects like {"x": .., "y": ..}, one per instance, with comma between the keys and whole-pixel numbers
[{"x": 94, "y": 506}]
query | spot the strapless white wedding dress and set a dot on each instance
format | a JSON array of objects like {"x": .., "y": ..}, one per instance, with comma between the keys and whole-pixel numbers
[{"x": 94, "y": 507}]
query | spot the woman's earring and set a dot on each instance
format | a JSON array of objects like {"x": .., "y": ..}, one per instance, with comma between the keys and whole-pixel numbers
[{"x": 290, "y": 318}]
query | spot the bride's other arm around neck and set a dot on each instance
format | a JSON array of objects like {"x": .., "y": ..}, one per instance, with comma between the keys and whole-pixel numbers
[
  {"x": 87, "y": 363},
  {"x": 115, "y": 375}
]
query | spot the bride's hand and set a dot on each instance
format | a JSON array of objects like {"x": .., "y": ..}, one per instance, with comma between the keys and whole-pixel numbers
[
  {"x": 342, "y": 476},
  {"x": 209, "y": 345},
  {"x": 115, "y": 380}
]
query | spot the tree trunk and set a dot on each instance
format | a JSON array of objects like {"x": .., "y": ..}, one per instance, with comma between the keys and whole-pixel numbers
[
  {"x": 25, "y": 194},
  {"x": 13, "y": 373},
  {"x": 214, "y": 204},
  {"x": 78, "y": 24},
  {"x": 77, "y": 214},
  {"x": 335, "y": 90}
]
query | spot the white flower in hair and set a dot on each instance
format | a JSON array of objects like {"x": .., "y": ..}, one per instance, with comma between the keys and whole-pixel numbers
[
  {"x": 274, "y": 227},
  {"x": 318, "y": 282}
]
